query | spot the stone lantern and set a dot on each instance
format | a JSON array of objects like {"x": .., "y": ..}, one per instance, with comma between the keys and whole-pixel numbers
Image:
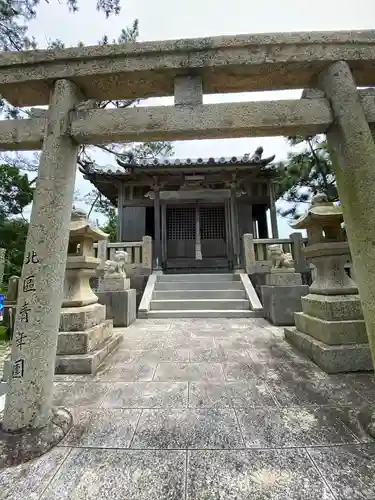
[
  {"x": 81, "y": 263},
  {"x": 327, "y": 248},
  {"x": 86, "y": 336},
  {"x": 331, "y": 330}
]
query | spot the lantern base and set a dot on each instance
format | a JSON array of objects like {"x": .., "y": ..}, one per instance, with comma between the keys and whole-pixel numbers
[{"x": 342, "y": 358}]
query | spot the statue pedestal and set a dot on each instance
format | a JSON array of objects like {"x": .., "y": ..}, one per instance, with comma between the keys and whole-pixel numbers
[
  {"x": 120, "y": 305},
  {"x": 85, "y": 339},
  {"x": 283, "y": 277},
  {"x": 85, "y": 335},
  {"x": 331, "y": 331},
  {"x": 281, "y": 296},
  {"x": 118, "y": 298},
  {"x": 114, "y": 283}
]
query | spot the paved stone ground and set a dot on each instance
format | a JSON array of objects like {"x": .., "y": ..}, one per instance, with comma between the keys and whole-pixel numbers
[{"x": 201, "y": 410}]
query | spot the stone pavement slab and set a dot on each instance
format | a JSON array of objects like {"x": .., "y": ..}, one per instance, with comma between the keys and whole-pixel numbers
[
  {"x": 102, "y": 428},
  {"x": 127, "y": 373},
  {"x": 211, "y": 428},
  {"x": 325, "y": 392},
  {"x": 189, "y": 372},
  {"x": 348, "y": 470},
  {"x": 70, "y": 394},
  {"x": 164, "y": 355},
  {"x": 255, "y": 475},
  {"x": 147, "y": 395},
  {"x": 209, "y": 395},
  {"x": 250, "y": 394},
  {"x": 119, "y": 474},
  {"x": 206, "y": 409},
  {"x": 29, "y": 480},
  {"x": 208, "y": 355},
  {"x": 292, "y": 427}
]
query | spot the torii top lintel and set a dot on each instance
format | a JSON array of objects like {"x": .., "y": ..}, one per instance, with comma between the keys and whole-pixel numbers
[{"x": 239, "y": 63}]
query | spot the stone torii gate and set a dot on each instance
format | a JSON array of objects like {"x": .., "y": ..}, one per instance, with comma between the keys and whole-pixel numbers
[{"x": 68, "y": 79}]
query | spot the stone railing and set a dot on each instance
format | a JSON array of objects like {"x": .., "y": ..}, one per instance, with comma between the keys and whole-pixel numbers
[
  {"x": 260, "y": 246},
  {"x": 139, "y": 254},
  {"x": 256, "y": 255}
]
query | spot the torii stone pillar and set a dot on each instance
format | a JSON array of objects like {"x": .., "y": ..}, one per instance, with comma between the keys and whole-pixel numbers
[
  {"x": 353, "y": 153},
  {"x": 28, "y": 408}
]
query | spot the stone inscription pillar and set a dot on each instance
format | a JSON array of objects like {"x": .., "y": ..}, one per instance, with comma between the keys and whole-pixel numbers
[
  {"x": 29, "y": 399},
  {"x": 353, "y": 153}
]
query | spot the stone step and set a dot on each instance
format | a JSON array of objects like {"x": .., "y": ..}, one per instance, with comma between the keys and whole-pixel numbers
[
  {"x": 197, "y": 304},
  {"x": 205, "y": 313},
  {"x": 198, "y": 277},
  {"x": 87, "y": 363},
  {"x": 83, "y": 342},
  {"x": 195, "y": 285},
  {"x": 198, "y": 294}
]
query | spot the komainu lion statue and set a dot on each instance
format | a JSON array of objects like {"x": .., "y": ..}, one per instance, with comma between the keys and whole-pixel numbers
[
  {"x": 278, "y": 258},
  {"x": 121, "y": 257},
  {"x": 116, "y": 266}
]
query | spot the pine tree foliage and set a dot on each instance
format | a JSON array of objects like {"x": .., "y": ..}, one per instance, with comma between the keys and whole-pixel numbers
[
  {"x": 14, "y": 18},
  {"x": 305, "y": 172}
]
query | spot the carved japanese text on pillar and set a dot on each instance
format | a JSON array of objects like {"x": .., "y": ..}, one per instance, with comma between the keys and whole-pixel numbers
[{"x": 28, "y": 287}]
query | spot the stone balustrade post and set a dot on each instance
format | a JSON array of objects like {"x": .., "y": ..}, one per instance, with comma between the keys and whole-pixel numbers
[
  {"x": 249, "y": 252},
  {"x": 147, "y": 252},
  {"x": 102, "y": 251},
  {"x": 102, "y": 247},
  {"x": 300, "y": 262}
]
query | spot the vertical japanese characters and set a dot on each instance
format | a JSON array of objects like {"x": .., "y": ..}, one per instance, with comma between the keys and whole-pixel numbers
[{"x": 27, "y": 286}]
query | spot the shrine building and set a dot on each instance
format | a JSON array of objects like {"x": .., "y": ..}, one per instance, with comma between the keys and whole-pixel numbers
[{"x": 196, "y": 210}]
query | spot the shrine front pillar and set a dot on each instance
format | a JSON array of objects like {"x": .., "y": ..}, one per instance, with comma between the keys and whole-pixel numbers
[
  {"x": 234, "y": 226},
  {"x": 120, "y": 213},
  {"x": 157, "y": 234}
]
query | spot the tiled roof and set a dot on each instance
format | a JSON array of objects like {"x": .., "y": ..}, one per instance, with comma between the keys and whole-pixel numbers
[
  {"x": 246, "y": 159},
  {"x": 252, "y": 160}
]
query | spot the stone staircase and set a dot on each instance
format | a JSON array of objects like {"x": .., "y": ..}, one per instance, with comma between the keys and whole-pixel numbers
[{"x": 199, "y": 296}]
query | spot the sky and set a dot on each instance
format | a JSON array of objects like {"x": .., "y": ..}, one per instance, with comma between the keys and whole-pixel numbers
[{"x": 173, "y": 19}]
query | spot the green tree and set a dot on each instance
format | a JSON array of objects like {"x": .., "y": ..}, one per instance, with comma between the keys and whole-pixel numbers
[
  {"x": 14, "y": 17},
  {"x": 16, "y": 14},
  {"x": 305, "y": 173},
  {"x": 13, "y": 234},
  {"x": 111, "y": 224},
  {"x": 15, "y": 194}
]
